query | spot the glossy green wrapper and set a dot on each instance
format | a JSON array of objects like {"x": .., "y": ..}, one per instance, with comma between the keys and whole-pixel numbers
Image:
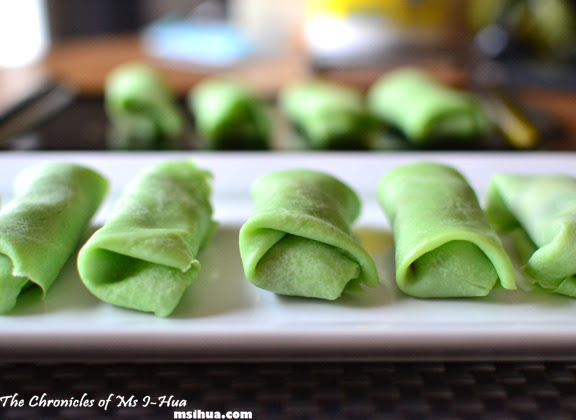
[
  {"x": 445, "y": 246},
  {"x": 145, "y": 255},
  {"x": 142, "y": 108},
  {"x": 327, "y": 115},
  {"x": 297, "y": 241},
  {"x": 41, "y": 227},
  {"x": 229, "y": 116},
  {"x": 425, "y": 111},
  {"x": 540, "y": 211}
]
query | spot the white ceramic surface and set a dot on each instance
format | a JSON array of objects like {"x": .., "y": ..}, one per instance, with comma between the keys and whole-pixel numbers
[{"x": 224, "y": 317}]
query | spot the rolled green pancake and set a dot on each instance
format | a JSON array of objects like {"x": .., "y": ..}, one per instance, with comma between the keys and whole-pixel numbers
[
  {"x": 297, "y": 241},
  {"x": 142, "y": 109},
  {"x": 541, "y": 209},
  {"x": 144, "y": 257},
  {"x": 445, "y": 246},
  {"x": 425, "y": 111},
  {"x": 40, "y": 228},
  {"x": 229, "y": 116},
  {"x": 327, "y": 115}
]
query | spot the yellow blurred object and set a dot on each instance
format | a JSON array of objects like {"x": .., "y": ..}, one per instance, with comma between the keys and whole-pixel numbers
[
  {"x": 405, "y": 13},
  {"x": 353, "y": 32},
  {"x": 517, "y": 131},
  {"x": 510, "y": 121}
]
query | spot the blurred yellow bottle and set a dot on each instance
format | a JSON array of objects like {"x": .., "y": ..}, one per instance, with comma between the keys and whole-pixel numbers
[{"x": 364, "y": 28}]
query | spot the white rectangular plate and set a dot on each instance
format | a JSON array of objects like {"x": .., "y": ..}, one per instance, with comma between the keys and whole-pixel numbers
[{"x": 224, "y": 317}]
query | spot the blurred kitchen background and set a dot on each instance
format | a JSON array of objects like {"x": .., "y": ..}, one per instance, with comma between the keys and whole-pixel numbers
[{"x": 517, "y": 56}]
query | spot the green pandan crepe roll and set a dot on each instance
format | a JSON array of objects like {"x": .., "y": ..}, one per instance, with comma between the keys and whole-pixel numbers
[
  {"x": 541, "y": 211},
  {"x": 145, "y": 255},
  {"x": 229, "y": 116},
  {"x": 297, "y": 242},
  {"x": 142, "y": 108},
  {"x": 425, "y": 111},
  {"x": 445, "y": 246},
  {"x": 40, "y": 228},
  {"x": 327, "y": 115}
]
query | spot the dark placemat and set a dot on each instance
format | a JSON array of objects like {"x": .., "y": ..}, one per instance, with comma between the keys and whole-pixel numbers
[
  {"x": 84, "y": 126},
  {"x": 295, "y": 391}
]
